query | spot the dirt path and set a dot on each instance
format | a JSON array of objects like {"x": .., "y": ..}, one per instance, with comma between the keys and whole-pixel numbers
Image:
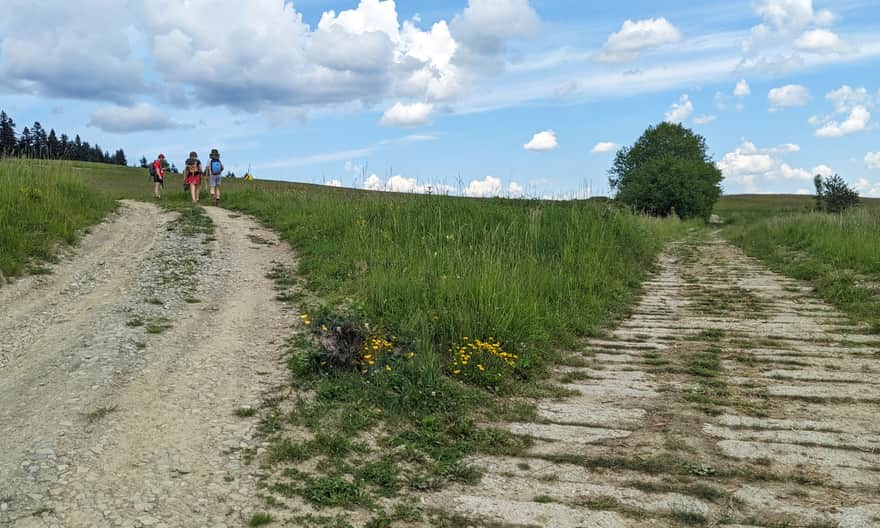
[
  {"x": 730, "y": 397},
  {"x": 120, "y": 376}
]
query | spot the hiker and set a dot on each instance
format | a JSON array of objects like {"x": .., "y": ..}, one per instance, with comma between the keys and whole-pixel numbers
[
  {"x": 158, "y": 176},
  {"x": 192, "y": 175},
  {"x": 215, "y": 173}
]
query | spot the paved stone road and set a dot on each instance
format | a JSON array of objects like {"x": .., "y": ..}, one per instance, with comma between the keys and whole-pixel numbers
[{"x": 730, "y": 397}]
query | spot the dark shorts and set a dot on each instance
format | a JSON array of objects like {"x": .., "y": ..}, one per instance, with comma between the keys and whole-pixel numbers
[{"x": 157, "y": 179}]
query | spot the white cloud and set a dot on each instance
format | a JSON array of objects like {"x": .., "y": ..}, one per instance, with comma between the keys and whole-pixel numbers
[
  {"x": 138, "y": 118},
  {"x": 402, "y": 184},
  {"x": 542, "y": 142},
  {"x": 786, "y": 172},
  {"x": 857, "y": 121},
  {"x": 787, "y": 96},
  {"x": 823, "y": 170},
  {"x": 750, "y": 165},
  {"x": 333, "y": 183},
  {"x": 635, "y": 37},
  {"x": 821, "y": 41},
  {"x": 742, "y": 89},
  {"x": 489, "y": 186},
  {"x": 515, "y": 190},
  {"x": 872, "y": 160},
  {"x": 56, "y": 50},
  {"x": 407, "y": 115},
  {"x": 269, "y": 60},
  {"x": 785, "y": 14},
  {"x": 373, "y": 183},
  {"x": 803, "y": 192},
  {"x": 484, "y": 26},
  {"x": 680, "y": 111},
  {"x": 846, "y": 98},
  {"x": 704, "y": 119},
  {"x": 746, "y": 161},
  {"x": 605, "y": 146},
  {"x": 866, "y": 188},
  {"x": 852, "y": 105},
  {"x": 784, "y": 148},
  {"x": 772, "y": 63},
  {"x": 771, "y": 47}
]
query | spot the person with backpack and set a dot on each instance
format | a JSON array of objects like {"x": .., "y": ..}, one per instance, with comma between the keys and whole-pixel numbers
[
  {"x": 157, "y": 174},
  {"x": 215, "y": 174},
  {"x": 192, "y": 175}
]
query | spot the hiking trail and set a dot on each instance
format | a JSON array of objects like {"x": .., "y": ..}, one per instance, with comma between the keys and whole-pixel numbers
[{"x": 122, "y": 370}]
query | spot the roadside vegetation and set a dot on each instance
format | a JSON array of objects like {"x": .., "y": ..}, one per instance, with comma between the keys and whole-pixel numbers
[
  {"x": 838, "y": 253},
  {"x": 41, "y": 205},
  {"x": 422, "y": 310}
]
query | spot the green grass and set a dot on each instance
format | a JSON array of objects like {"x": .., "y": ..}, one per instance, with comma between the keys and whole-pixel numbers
[
  {"x": 100, "y": 413},
  {"x": 42, "y": 205},
  {"x": 838, "y": 254},
  {"x": 260, "y": 519}
]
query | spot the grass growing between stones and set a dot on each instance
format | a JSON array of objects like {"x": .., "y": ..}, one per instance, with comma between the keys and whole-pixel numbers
[{"x": 839, "y": 254}]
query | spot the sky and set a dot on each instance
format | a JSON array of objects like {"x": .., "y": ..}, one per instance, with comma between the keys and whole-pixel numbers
[{"x": 516, "y": 98}]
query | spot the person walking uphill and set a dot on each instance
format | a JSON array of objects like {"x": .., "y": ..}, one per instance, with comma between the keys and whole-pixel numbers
[
  {"x": 215, "y": 174},
  {"x": 192, "y": 175},
  {"x": 158, "y": 175}
]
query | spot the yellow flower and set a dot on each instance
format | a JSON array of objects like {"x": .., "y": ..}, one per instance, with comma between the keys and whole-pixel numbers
[
  {"x": 323, "y": 328},
  {"x": 456, "y": 372},
  {"x": 388, "y": 368},
  {"x": 481, "y": 367}
]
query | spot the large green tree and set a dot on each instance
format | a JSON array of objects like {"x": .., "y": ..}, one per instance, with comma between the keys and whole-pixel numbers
[{"x": 667, "y": 170}]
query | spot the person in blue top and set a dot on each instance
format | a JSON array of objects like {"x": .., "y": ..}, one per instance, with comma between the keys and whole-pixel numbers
[{"x": 215, "y": 174}]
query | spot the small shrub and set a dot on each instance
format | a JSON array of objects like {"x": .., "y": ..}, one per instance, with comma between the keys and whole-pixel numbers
[{"x": 833, "y": 195}]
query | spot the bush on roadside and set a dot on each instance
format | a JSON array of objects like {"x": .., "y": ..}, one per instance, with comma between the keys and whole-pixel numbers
[{"x": 833, "y": 195}]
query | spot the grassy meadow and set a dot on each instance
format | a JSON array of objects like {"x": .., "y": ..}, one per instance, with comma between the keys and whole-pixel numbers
[
  {"x": 838, "y": 254},
  {"x": 42, "y": 205}
]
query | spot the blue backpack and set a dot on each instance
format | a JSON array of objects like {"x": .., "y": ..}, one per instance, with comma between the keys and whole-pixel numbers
[{"x": 216, "y": 167}]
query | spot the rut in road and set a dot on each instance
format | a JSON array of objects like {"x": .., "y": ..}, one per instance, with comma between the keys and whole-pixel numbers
[
  {"x": 730, "y": 397},
  {"x": 120, "y": 374}
]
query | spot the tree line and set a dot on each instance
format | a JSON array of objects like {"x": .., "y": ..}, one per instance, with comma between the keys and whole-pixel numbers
[{"x": 35, "y": 142}]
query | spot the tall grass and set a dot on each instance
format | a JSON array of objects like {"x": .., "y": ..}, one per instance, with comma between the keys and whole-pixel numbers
[
  {"x": 838, "y": 253},
  {"x": 434, "y": 272},
  {"x": 436, "y": 269},
  {"x": 41, "y": 205}
]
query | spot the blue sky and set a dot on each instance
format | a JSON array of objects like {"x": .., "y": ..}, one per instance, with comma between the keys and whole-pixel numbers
[{"x": 476, "y": 97}]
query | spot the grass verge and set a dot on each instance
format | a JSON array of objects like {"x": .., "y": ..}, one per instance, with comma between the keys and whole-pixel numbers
[
  {"x": 42, "y": 205},
  {"x": 839, "y": 254}
]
